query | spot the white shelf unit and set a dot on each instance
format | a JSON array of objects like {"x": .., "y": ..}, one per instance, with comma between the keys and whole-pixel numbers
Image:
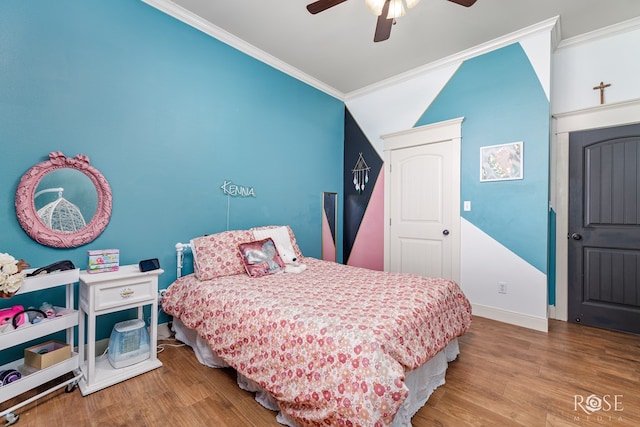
[
  {"x": 28, "y": 332},
  {"x": 103, "y": 293}
]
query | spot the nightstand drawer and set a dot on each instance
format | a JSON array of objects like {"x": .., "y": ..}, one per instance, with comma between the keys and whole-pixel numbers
[{"x": 124, "y": 293}]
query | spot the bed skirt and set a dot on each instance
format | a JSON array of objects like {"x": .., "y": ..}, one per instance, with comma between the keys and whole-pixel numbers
[{"x": 421, "y": 381}]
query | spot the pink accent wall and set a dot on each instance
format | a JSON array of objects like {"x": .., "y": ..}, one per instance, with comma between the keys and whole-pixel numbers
[
  {"x": 368, "y": 248},
  {"x": 328, "y": 248}
]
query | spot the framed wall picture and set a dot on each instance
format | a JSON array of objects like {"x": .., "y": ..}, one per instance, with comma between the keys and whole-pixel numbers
[{"x": 502, "y": 162}]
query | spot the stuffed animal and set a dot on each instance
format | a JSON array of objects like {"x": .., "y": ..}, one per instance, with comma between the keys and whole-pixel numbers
[{"x": 291, "y": 263}]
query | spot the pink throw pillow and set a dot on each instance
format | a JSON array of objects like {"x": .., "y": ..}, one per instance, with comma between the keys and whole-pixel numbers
[
  {"x": 217, "y": 255},
  {"x": 261, "y": 258}
]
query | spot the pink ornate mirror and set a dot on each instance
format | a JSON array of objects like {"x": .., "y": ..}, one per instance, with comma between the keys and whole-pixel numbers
[{"x": 63, "y": 202}]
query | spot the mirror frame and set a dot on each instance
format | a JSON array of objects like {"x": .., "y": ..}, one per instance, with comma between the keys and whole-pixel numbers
[
  {"x": 26, "y": 209},
  {"x": 329, "y": 234}
]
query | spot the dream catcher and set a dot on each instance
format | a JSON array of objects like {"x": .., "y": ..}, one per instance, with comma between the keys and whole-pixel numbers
[{"x": 360, "y": 174}]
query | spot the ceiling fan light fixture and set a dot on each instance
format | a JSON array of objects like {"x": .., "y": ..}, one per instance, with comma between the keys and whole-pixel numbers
[
  {"x": 375, "y": 6},
  {"x": 391, "y": 8},
  {"x": 396, "y": 9}
]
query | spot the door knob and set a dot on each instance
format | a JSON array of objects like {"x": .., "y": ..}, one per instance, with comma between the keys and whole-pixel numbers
[
  {"x": 576, "y": 236},
  {"x": 445, "y": 232}
]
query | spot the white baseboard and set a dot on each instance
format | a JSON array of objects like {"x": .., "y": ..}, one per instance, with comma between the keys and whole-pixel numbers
[
  {"x": 513, "y": 318},
  {"x": 163, "y": 331},
  {"x": 101, "y": 345}
]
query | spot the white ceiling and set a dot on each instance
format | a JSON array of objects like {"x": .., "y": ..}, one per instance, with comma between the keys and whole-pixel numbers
[{"x": 336, "y": 47}]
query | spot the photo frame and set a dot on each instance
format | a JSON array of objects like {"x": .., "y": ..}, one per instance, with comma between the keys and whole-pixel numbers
[{"x": 502, "y": 162}]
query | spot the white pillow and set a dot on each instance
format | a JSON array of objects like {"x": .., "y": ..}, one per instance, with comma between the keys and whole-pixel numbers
[{"x": 280, "y": 236}]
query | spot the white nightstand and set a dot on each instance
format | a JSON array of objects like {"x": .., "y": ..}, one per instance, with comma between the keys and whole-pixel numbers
[{"x": 102, "y": 293}]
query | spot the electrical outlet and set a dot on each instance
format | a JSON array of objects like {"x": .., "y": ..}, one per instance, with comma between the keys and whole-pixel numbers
[
  {"x": 502, "y": 287},
  {"x": 161, "y": 293}
]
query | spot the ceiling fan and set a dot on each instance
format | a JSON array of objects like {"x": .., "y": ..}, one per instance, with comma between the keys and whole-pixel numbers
[{"x": 387, "y": 11}]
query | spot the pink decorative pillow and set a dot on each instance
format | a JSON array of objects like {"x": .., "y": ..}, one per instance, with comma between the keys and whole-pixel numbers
[
  {"x": 264, "y": 232},
  {"x": 261, "y": 258},
  {"x": 217, "y": 255}
]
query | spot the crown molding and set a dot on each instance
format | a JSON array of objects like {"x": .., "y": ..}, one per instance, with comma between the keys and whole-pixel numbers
[
  {"x": 556, "y": 34},
  {"x": 612, "y": 30},
  {"x": 193, "y": 20},
  {"x": 551, "y": 24},
  {"x": 459, "y": 57}
]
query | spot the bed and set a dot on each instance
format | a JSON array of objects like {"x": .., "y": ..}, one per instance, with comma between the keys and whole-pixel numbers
[{"x": 330, "y": 345}]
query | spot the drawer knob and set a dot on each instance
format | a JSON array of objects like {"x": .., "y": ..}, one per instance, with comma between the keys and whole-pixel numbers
[{"x": 126, "y": 292}]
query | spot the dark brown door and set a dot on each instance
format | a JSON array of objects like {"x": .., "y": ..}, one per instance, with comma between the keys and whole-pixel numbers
[{"x": 604, "y": 228}]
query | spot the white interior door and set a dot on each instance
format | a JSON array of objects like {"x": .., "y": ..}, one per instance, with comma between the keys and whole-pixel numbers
[{"x": 422, "y": 203}]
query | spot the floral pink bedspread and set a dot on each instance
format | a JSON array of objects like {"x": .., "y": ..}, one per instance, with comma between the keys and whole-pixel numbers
[{"x": 331, "y": 344}]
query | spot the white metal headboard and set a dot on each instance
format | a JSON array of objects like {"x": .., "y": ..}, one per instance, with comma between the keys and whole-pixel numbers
[{"x": 180, "y": 248}]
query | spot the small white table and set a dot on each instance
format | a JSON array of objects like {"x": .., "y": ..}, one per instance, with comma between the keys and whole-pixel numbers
[{"x": 103, "y": 293}]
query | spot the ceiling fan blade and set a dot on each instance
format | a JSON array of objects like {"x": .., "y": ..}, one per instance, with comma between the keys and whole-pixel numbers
[
  {"x": 465, "y": 3},
  {"x": 383, "y": 27},
  {"x": 321, "y": 5}
]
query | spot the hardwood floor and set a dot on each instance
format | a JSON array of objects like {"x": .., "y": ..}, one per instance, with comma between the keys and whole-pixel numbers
[{"x": 504, "y": 376}]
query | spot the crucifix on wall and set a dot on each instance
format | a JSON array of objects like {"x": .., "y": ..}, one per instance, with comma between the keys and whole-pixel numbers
[{"x": 602, "y": 87}]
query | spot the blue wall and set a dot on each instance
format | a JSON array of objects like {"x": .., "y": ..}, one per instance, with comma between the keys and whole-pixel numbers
[
  {"x": 502, "y": 101},
  {"x": 166, "y": 113}
]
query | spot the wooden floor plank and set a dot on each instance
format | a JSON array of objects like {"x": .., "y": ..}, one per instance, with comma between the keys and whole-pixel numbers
[{"x": 505, "y": 375}]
